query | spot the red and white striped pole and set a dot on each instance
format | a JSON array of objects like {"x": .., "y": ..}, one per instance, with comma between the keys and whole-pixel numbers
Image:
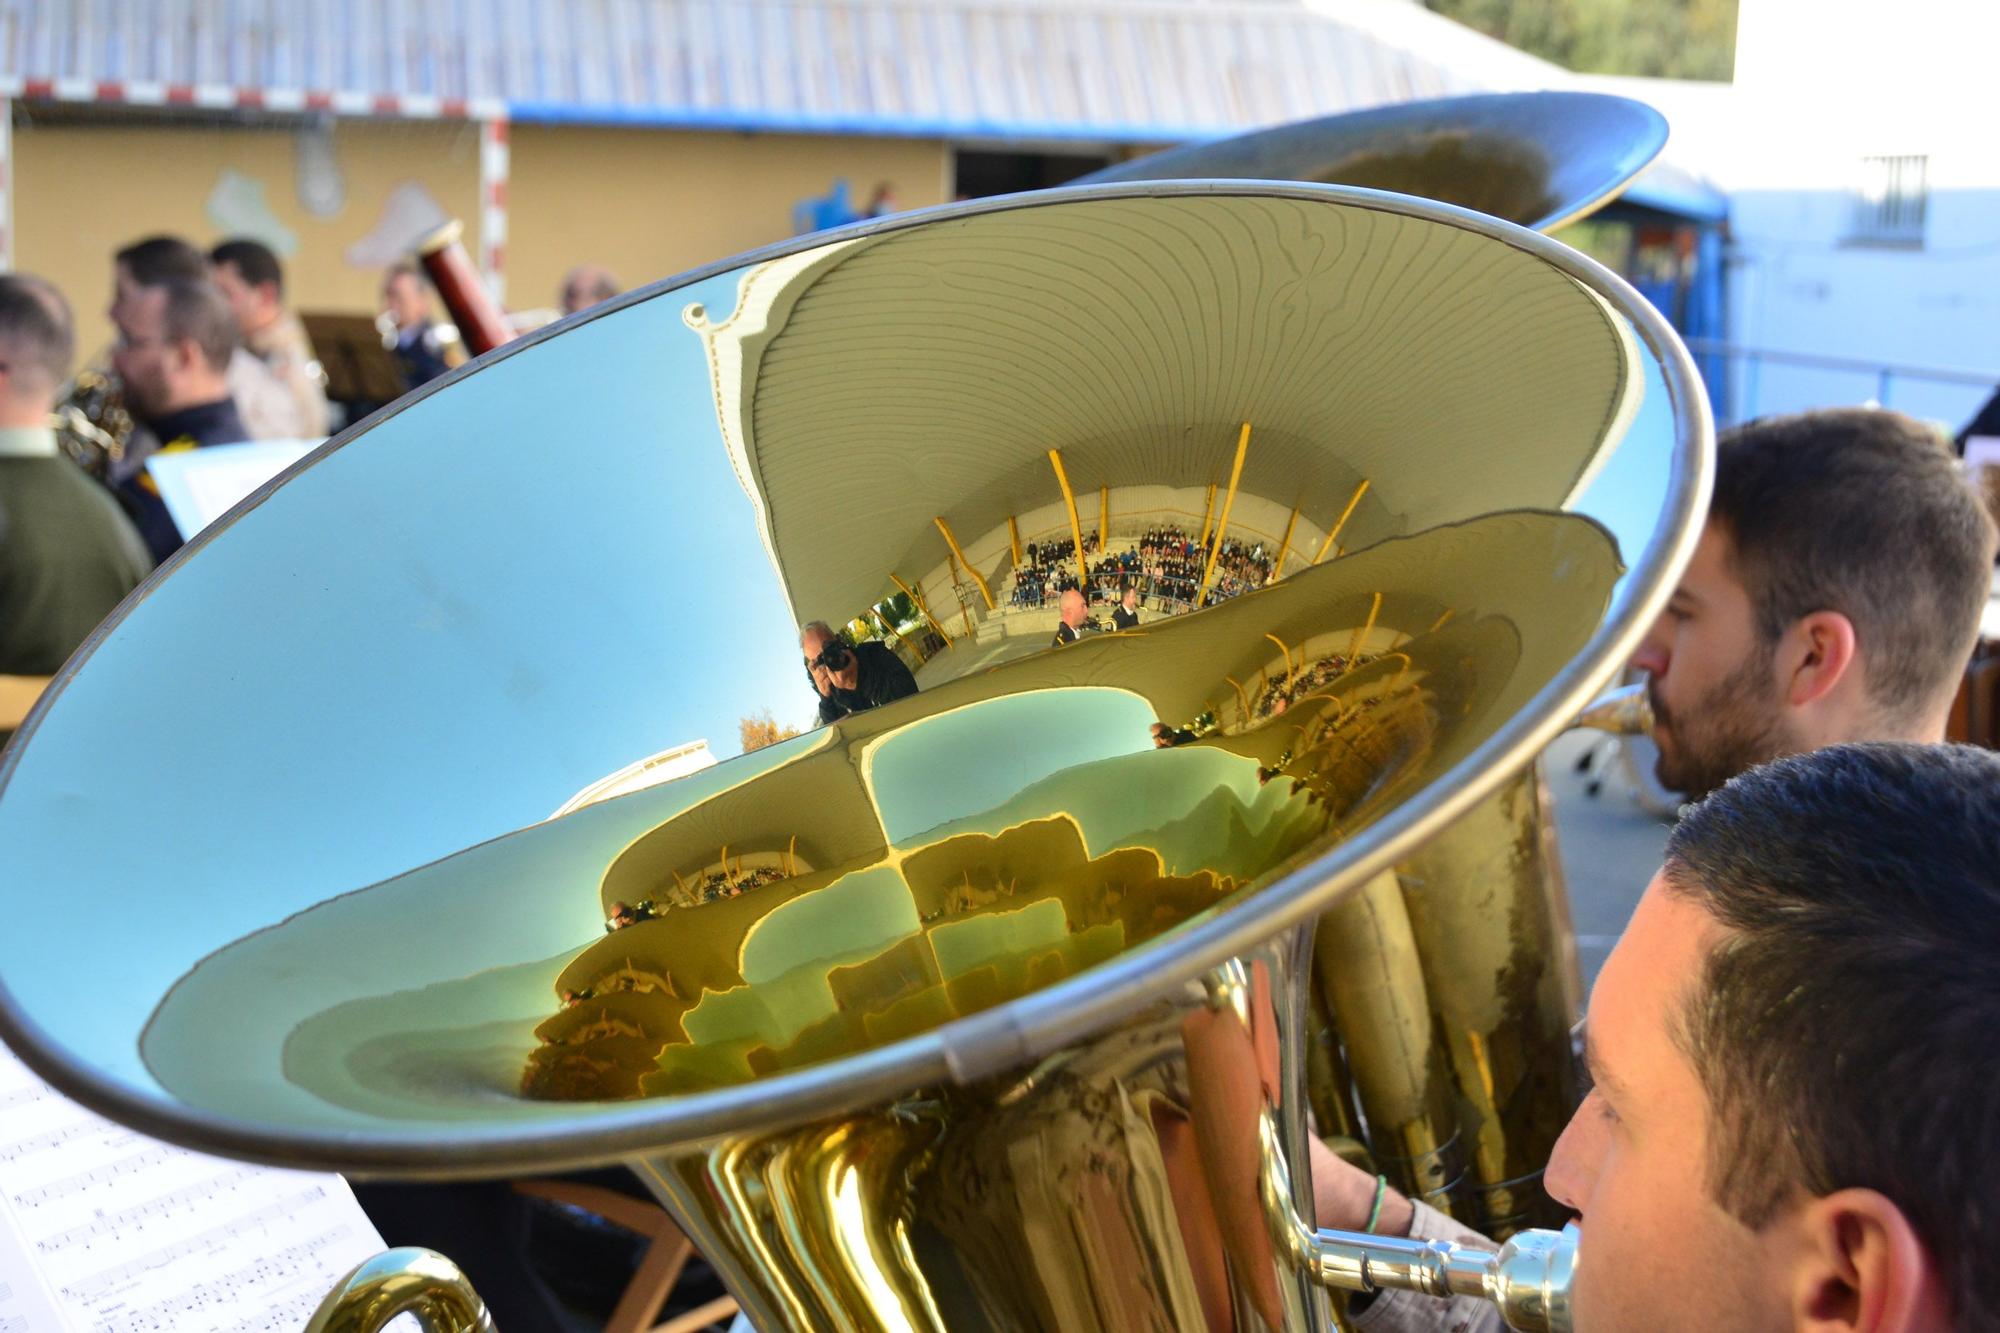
[{"x": 493, "y": 168}]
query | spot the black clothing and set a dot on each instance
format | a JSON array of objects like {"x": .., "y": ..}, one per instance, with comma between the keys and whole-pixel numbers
[
  {"x": 881, "y": 678},
  {"x": 1985, "y": 422},
  {"x": 1124, "y": 619},
  {"x": 190, "y": 428},
  {"x": 1064, "y": 634},
  {"x": 419, "y": 356}
]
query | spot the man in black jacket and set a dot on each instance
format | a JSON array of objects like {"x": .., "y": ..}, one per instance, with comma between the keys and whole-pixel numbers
[
  {"x": 175, "y": 340},
  {"x": 851, "y": 678}
]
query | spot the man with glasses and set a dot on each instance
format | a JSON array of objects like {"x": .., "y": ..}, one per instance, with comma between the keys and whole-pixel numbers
[
  {"x": 851, "y": 678},
  {"x": 174, "y": 345}
]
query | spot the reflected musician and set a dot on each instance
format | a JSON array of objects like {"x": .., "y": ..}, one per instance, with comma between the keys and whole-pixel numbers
[{"x": 1074, "y": 612}]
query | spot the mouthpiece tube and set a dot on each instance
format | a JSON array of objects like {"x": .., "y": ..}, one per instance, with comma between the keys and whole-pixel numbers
[
  {"x": 1528, "y": 1280},
  {"x": 1627, "y": 711}
]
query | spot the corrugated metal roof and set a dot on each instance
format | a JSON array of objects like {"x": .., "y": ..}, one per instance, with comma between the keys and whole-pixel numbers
[{"x": 1110, "y": 70}]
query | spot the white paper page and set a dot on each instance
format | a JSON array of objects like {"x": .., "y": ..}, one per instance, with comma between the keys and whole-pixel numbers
[
  {"x": 201, "y": 485},
  {"x": 124, "y": 1234}
]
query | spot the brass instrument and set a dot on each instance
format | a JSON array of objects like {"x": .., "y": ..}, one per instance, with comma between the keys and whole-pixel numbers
[
  {"x": 973, "y": 1010},
  {"x": 1447, "y": 1035},
  {"x": 93, "y": 425}
]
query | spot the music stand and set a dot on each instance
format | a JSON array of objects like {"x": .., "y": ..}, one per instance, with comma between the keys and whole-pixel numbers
[{"x": 358, "y": 368}]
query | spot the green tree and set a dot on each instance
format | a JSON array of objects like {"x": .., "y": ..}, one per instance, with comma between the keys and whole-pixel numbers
[{"x": 1673, "y": 39}]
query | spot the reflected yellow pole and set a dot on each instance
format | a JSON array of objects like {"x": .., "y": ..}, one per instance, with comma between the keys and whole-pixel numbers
[
  {"x": 925, "y": 611},
  {"x": 1014, "y": 538},
  {"x": 1438, "y": 624},
  {"x": 1278, "y": 565},
  {"x": 1242, "y": 699},
  {"x": 1075, "y": 528},
  {"x": 1228, "y": 503},
  {"x": 1103, "y": 517},
  {"x": 1361, "y": 635},
  {"x": 952, "y": 542},
  {"x": 1334, "y": 531},
  {"x": 1207, "y": 513},
  {"x": 1290, "y": 674}
]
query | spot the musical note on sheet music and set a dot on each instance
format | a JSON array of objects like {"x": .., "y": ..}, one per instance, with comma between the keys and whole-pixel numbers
[{"x": 106, "y": 1231}]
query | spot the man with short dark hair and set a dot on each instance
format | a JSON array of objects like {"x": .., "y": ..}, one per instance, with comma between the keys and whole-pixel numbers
[
  {"x": 851, "y": 678},
  {"x": 68, "y": 555},
  {"x": 254, "y": 282},
  {"x": 1835, "y": 595},
  {"x": 1792, "y": 1121},
  {"x": 174, "y": 345},
  {"x": 264, "y": 403}
]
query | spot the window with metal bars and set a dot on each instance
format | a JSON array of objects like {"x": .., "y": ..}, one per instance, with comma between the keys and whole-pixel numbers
[{"x": 1890, "y": 201}]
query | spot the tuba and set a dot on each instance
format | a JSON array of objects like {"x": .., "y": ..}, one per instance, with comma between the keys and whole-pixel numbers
[{"x": 981, "y": 1008}]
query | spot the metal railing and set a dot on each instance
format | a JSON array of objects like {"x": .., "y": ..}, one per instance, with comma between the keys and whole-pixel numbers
[{"x": 1884, "y": 374}]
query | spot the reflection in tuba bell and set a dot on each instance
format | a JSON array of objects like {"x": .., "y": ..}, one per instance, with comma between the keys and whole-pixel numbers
[{"x": 979, "y": 1008}]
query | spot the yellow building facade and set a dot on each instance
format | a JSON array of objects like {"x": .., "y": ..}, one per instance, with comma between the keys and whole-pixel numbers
[{"x": 645, "y": 203}]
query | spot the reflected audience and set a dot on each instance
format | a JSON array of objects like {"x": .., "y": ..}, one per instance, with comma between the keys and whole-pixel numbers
[
  {"x": 851, "y": 678},
  {"x": 254, "y": 282},
  {"x": 1164, "y": 564}
]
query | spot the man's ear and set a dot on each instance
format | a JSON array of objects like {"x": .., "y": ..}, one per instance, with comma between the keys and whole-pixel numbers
[
  {"x": 1815, "y": 655},
  {"x": 1862, "y": 1269}
]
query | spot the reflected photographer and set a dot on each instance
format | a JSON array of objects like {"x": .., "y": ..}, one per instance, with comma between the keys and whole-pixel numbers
[{"x": 851, "y": 678}]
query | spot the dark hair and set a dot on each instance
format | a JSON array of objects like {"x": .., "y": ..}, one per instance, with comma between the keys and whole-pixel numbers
[
  {"x": 197, "y": 309},
  {"x": 35, "y": 327},
  {"x": 1864, "y": 512},
  {"x": 158, "y": 260},
  {"x": 1844, "y": 1029},
  {"x": 253, "y": 261}
]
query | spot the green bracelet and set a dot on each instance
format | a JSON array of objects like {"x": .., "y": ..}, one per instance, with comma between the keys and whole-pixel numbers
[{"x": 1375, "y": 1213}]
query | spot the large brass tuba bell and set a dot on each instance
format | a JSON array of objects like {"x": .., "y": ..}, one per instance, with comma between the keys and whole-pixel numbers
[{"x": 984, "y": 1008}]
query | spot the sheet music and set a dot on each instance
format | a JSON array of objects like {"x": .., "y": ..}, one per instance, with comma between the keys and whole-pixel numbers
[{"x": 105, "y": 1231}]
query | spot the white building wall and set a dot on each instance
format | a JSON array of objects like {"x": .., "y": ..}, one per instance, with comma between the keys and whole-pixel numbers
[{"x": 1820, "y": 85}]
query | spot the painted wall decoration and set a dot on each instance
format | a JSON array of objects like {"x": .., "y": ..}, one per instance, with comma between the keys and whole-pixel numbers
[
  {"x": 239, "y": 206},
  {"x": 408, "y": 212}
]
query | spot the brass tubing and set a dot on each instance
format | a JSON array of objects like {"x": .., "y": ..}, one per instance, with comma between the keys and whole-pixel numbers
[
  {"x": 420, "y": 1283},
  {"x": 1487, "y": 914},
  {"x": 1366, "y": 964},
  {"x": 1627, "y": 711}
]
